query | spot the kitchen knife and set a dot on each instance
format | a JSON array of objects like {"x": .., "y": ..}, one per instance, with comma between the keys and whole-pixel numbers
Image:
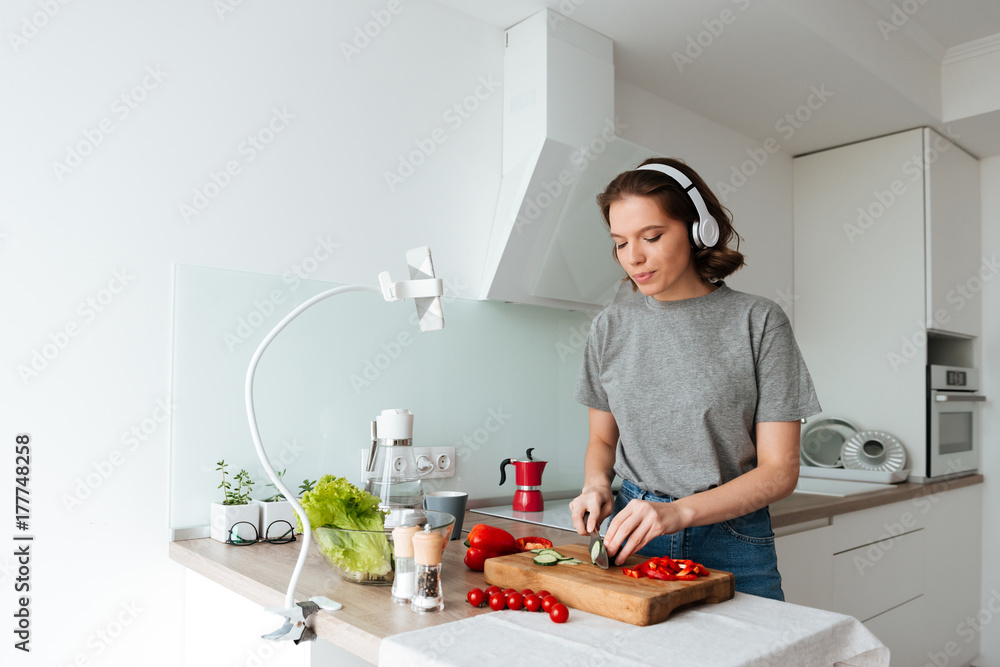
[{"x": 598, "y": 554}]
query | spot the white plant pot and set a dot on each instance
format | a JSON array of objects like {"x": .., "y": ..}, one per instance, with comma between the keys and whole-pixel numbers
[
  {"x": 226, "y": 516},
  {"x": 280, "y": 510}
]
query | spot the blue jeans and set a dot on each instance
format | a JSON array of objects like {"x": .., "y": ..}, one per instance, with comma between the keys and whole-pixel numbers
[{"x": 743, "y": 546}]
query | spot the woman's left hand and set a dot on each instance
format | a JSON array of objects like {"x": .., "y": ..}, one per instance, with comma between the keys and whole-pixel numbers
[{"x": 639, "y": 522}]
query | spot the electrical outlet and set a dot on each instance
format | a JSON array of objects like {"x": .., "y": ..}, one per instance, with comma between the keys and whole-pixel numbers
[{"x": 441, "y": 458}]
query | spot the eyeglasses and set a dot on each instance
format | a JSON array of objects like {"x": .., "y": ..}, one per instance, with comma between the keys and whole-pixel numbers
[{"x": 244, "y": 533}]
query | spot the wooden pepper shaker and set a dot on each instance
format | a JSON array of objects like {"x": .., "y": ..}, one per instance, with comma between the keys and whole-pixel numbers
[{"x": 428, "y": 546}]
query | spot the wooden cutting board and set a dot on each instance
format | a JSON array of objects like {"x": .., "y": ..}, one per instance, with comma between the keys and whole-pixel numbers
[{"x": 608, "y": 592}]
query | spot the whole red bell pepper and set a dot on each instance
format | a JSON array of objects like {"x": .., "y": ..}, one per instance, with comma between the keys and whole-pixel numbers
[
  {"x": 491, "y": 539},
  {"x": 475, "y": 558}
]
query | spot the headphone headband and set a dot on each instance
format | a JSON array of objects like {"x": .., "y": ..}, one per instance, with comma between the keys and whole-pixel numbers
[{"x": 704, "y": 231}]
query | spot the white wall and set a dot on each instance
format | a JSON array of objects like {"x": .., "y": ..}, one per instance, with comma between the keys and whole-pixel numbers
[
  {"x": 989, "y": 637},
  {"x": 110, "y": 229},
  {"x": 752, "y": 179}
]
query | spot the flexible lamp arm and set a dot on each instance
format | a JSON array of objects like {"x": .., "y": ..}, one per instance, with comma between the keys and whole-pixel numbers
[{"x": 392, "y": 291}]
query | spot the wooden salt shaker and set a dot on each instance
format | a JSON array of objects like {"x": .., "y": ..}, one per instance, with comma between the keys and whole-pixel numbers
[{"x": 405, "y": 574}]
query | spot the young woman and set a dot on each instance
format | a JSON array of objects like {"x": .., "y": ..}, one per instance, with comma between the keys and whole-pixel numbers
[{"x": 695, "y": 390}]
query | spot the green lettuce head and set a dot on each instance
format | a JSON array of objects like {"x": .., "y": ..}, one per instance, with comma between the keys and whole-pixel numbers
[{"x": 336, "y": 503}]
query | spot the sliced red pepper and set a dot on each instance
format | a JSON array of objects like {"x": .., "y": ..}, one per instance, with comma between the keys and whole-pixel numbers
[
  {"x": 663, "y": 575},
  {"x": 632, "y": 572},
  {"x": 686, "y": 577}
]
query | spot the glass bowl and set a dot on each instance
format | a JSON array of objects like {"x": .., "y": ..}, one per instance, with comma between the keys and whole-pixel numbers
[{"x": 367, "y": 556}]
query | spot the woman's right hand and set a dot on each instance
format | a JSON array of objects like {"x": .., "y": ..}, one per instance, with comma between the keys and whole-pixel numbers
[{"x": 597, "y": 501}]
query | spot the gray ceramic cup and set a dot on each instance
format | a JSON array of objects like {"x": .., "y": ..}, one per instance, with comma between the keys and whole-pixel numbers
[{"x": 452, "y": 502}]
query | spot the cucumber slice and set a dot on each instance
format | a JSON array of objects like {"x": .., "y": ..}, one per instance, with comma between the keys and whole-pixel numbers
[
  {"x": 596, "y": 550},
  {"x": 551, "y": 552},
  {"x": 571, "y": 561},
  {"x": 545, "y": 559}
]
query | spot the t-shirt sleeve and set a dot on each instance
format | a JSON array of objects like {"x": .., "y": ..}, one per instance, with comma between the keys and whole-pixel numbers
[
  {"x": 589, "y": 390},
  {"x": 785, "y": 389}
]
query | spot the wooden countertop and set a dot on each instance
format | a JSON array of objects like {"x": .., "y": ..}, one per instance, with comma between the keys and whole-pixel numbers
[
  {"x": 804, "y": 507},
  {"x": 261, "y": 572}
]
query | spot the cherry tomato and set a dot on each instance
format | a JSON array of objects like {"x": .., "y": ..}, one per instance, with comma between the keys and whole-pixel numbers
[
  {"x": 493, "y": 589},
  {"x": 508, "y": 591},
  {"x": 515, "y": 601},
  {"x": 527, "y": 591},
  {"x": 476, "y": 597},
  {"x": 559, "y": 613},
  {"x": 548, "y": 601},
  {"x": 532, "y": 602},
  {"x": 497, "y": 601},
  {"x": 542, "y": 594}
]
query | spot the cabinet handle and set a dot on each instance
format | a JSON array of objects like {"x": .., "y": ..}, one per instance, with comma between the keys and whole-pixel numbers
[{"x": 959, "y": 398}]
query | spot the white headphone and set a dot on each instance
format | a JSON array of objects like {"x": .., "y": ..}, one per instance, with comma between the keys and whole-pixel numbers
[{"x": 705, "y": 230}]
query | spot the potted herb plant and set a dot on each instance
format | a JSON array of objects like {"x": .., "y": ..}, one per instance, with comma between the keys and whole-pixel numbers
[
  {"x": 275, "y": 508},
  {"x": 236, "y": 508}
]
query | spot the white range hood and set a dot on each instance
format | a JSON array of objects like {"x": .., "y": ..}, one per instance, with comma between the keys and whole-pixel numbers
[{"x": 549, "y": 244}]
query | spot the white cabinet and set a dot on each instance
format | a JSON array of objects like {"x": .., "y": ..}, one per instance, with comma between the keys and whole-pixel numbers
[
  {"x": 954, "y": 259},
  {"x": 806, "y": 567},
  {"x": 910, "y": 571},
  {"x": 896, "y": 629},
  {"x": 886, "y": 249}
]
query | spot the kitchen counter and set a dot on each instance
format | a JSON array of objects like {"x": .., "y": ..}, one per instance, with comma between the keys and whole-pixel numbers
[
  {"x": 260, "y": 573},
  {"x": 801, "y": 508}
]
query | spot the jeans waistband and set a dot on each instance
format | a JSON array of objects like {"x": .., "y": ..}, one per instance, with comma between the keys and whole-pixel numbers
[{"x": 632, "y": 490}]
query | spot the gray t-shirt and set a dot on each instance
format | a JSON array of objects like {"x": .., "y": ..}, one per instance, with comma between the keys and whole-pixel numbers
[{"x": 688, "y": 380}]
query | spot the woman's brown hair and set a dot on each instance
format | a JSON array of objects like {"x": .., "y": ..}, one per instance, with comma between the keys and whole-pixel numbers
[{"x": 710, "y": 264}]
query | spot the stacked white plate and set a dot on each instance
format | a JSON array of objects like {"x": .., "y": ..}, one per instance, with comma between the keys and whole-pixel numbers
[{"x": 834, "y": 448}]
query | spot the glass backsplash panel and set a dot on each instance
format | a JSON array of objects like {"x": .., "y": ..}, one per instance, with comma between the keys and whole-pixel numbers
[{"x": 496, "y": 380}]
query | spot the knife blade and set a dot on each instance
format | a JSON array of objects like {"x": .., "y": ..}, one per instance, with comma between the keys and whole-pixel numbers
[{"x": 598, "y": 554}]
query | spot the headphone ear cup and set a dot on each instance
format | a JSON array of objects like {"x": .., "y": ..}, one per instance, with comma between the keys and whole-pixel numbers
[{"x": 705, "y": 233}]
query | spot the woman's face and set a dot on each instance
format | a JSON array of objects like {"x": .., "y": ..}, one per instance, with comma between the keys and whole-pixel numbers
[{"x": 654, "y": 250}]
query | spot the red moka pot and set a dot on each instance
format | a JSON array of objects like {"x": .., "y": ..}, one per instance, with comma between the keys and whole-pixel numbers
[{"x": 528, "y": 477}]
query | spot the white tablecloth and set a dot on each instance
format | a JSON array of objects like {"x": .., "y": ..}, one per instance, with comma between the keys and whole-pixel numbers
[{"x": 746, "y": 630}]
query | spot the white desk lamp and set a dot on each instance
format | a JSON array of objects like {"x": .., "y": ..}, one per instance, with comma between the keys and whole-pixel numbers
[{"x": 426, "y": 290}]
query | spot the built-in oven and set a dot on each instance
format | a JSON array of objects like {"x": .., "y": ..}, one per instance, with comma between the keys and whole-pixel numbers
[{"x": 953, "y": 401}]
